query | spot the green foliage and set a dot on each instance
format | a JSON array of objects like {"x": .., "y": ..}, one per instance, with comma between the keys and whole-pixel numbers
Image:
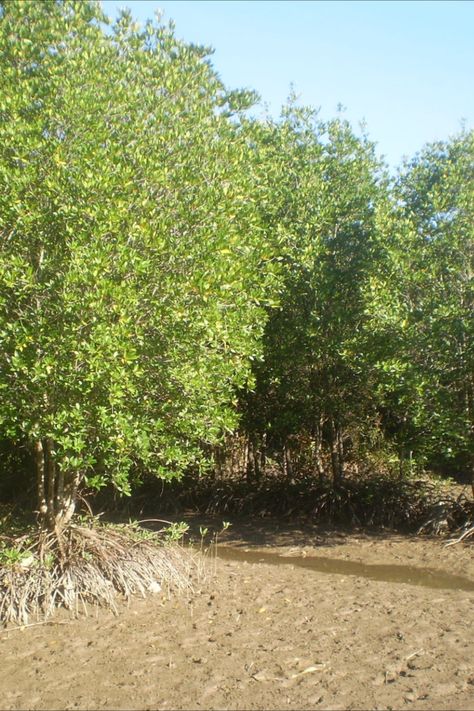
[
  {"x": 316, "y": 374},
  {"x": 131, "y": 259},
  {"x": 424, "y": 304},
  {"x": 12, "y": 557},
  {"x": 175, "y": 532},
  {"x": 169, "y": 265}
]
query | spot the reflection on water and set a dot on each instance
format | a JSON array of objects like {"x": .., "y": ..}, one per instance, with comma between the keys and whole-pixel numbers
[{"x": 386, "y": 573}]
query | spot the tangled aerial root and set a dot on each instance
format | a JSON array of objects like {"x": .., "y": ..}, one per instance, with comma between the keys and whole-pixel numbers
[
  {"x": 465, "y": 536},
  {"x": 91, "y": 566},
  {"x": 424, "y": 504}
]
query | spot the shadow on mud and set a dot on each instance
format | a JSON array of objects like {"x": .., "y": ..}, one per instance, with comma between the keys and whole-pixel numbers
[{"x": 399, "y": 574}]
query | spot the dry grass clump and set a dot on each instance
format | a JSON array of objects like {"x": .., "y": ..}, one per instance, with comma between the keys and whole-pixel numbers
[{"x": 89, "y": 565}]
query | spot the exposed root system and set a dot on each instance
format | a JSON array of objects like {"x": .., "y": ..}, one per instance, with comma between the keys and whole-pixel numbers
[
  {"x": 423, "y": 505},
  {"x": 467, "y": 535},
  {"x": 90, "y": 566}
]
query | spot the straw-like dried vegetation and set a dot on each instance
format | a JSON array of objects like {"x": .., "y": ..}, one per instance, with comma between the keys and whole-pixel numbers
[{"x": 88, "y": 565}]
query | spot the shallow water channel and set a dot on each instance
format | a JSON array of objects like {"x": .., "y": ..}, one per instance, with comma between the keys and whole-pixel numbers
[{"x": 406, "y": 574}]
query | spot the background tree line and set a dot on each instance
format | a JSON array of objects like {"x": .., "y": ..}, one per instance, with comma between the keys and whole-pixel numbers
[{"x": 182, "y": 283}]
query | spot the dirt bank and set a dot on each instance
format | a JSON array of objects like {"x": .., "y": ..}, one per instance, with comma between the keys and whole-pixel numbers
[{"x": 265, "y": 636}]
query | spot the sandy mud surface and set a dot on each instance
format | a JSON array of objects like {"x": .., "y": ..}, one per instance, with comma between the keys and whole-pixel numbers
[{"x": 260, "y": 634}]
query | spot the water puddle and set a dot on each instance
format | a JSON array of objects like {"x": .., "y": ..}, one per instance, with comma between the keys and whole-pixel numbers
[{"x": 409, "y": 575}]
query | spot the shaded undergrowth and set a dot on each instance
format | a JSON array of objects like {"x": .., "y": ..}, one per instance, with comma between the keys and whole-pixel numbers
[
  {"x": 424, "y": 504},
  {"x": 94, "y": 563}
]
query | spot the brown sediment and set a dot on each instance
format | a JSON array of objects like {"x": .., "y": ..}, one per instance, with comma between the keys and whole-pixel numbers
[{"x": 266, "y": 636}]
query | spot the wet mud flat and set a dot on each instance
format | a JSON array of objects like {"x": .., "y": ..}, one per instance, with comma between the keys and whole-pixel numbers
[
  {"x": 286, "y": 619},
  {"x": 390, "y": 573}
]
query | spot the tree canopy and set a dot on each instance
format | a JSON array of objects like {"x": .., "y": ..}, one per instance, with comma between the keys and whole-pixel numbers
[
  {"x": 172, "y": 268},
  {"x": 133, "y": 259}
]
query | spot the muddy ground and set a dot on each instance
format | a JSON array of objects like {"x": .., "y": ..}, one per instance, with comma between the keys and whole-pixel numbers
[{"x": 388, "y": 624}]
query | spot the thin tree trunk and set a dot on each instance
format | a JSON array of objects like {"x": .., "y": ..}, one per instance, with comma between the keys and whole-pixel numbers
[
  {"x": 340, "y": 452},
  {"x": 251, "y": 468},
  {"x": 257, "y": 457},
  {"x": 289, "y": 461},
  {"x": 51, "y": 483},
  {"x": 263, "y": 453},
  {"x": 254, "y": 470},
  {"x": 246, "y": 458},
  {"x": 333, "y": 445},
  {"x": 67, "y": 503},
  {"x": 318, "y": 447},
  {"x": 336, "y": 452},
  {"x": 219, "y": 459},
  {"x": 40, "y": 478},
  {"x": 56, "y": 489}
]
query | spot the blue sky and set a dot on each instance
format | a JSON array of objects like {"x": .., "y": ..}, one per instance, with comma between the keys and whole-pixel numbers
[{"x": 404, "y": 67}]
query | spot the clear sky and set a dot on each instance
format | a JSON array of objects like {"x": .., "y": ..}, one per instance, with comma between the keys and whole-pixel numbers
[{"x": 404, "y": 67}]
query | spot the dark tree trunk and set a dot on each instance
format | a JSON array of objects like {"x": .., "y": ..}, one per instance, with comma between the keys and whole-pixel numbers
[
  {"x": 318, "y": 448},
  {"x": 253, "y": 470},
  {"x": 40, "y": 479},
  {"x": 263, "y": 453},
  {"x": 337, "y": 453},
  {"x": 287, "y": 461}
]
